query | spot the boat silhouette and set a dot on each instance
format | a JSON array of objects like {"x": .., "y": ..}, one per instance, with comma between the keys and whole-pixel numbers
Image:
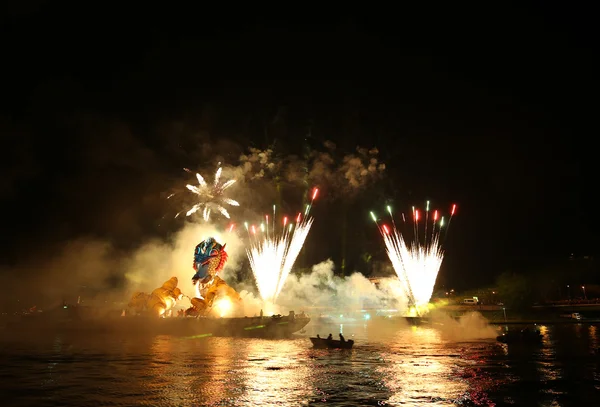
[{"x": 323, "y": 343}]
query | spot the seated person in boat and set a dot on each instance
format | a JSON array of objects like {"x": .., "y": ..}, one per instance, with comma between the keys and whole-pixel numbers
[
  {"x": 342, "y": 338},
  {"x": 330, "y": 337},
  {"x": 318, "y": 336}
]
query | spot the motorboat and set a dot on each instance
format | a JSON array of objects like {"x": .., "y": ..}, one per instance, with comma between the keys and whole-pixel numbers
[{"x": 324, "y": 343}]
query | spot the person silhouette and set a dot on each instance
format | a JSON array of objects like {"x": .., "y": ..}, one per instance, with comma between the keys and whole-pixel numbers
[
  {"x": 342, "y": 338},
  {"x": 330, "y": 337}
]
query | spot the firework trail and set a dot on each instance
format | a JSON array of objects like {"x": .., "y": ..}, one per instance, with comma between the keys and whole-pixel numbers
[
  {"x": 414, "y": 223},
  {"x": 416, "y": 264},
  {"x": 389, "y": 209},
  {"x": 426, "y": 219},
  {"x": 452, "y": 211},
  {"x": 273, "y": 256},
  {"x": 211, "y": 196}
]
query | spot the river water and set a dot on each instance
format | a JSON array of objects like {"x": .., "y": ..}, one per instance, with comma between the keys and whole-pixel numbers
[{"x": 390, "y": 364}]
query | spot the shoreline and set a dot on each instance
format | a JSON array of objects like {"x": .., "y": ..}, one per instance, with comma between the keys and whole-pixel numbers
[{"x": 546, "y": 322}]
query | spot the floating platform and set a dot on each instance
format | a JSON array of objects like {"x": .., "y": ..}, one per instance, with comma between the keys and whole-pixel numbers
[{"x": 275, "y": 326}]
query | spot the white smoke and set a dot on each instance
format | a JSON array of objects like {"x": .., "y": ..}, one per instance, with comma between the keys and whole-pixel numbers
[
  {"x": 468, "y": 327},
  {"x": 155, "y": 262},
  {"x": 322, "y": 289},
  {"x": 92, "y": 263}
]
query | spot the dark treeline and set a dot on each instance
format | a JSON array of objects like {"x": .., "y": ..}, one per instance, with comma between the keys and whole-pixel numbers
[{"x": 571, "y": 280}]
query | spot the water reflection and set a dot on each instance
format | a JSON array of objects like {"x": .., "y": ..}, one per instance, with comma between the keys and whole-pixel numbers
[
  {"x": 222, "y": 360},
  {"x": 397, "y": 365},
  {"x": 169, "y": 378},
  {"x": 417, "y": 371},
  {"x": 274, "y": 375},
  {"x": 547, "y": 356},
  {"x": 593, "y": 334}
]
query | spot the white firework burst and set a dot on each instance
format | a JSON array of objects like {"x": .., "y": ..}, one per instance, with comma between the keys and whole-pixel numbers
[
  {"x": 272, "y": 258},
  {"x": 417, "y": 266},
  {"x": 210, "y": 196}
]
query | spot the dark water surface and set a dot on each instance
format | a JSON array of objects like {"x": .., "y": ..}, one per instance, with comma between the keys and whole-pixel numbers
[{"x": 390, "y": 365}]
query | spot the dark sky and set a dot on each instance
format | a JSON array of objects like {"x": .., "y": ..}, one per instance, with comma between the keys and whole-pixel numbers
[{"x": 493, "y": 109}]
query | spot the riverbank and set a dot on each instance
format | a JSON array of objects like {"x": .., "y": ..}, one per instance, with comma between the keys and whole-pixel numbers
[
  {"x": 532, "y": 315},
  {"x": 564, "y": 321}
]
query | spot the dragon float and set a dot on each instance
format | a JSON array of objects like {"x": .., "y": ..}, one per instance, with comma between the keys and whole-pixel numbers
[
  {"x": 209, "y": 260},
  {"x": 159, "y": 301}
]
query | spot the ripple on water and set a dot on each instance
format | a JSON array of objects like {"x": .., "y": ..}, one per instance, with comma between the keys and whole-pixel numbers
[{"x": 408, "y": 367}]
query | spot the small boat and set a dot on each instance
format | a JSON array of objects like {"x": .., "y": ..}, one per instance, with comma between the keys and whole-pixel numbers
[
  {"x": 524, "y": 337},
  {"x": 323, "y": 343}
]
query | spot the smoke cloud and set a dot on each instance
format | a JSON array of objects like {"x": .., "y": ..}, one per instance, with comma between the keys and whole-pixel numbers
[
  {"x": 350, "y": 173},
  {"x": 321, "y": 291},
  {"x": 469, "y": 327},
  {"x": 89, "y": 268},
  {"x": 157, "y": 261},
  {"x": 321, "y": 288},
  {"x": 340, "y": 173}
]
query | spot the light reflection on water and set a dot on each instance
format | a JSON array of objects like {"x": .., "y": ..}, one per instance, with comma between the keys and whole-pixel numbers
[
  {"x": 408, "y": 375},
  {"x": 390, "y": 365}
]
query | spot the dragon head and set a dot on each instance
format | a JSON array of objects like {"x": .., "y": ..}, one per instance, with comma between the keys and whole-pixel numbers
[{"x": 209, "y": 259}]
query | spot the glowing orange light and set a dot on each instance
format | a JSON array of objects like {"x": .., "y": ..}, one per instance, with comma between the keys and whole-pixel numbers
[
  {"x": 453, "y": 209},
  {"x": 298, "y": 217},
  {"x": 284, "y": 221},
  {"x": 386, "y": 230},
  {"x": 416, "y": 215}
]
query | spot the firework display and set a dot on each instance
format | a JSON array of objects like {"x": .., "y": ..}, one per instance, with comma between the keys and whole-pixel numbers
[
  {"x": 414, "y": 246},
  {"x": 415, "y": 262},
  {"x": 273, "y": 251},
  {"x": 273, "y": 246},
  {"x": 210, "y": 196}
]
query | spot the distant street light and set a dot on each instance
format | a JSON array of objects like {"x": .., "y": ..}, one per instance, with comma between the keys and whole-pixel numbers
[{"x": 584, "y": 294}]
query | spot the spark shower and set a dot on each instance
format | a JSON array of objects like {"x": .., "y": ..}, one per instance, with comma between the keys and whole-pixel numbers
[{"x": 416, "y": 263}]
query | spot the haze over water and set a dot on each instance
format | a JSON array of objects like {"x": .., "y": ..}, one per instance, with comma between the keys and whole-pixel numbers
[{"x": 391, "y": 364}]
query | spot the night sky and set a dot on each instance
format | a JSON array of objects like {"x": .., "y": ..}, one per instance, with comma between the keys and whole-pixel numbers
[{"x": 492, "y": 109}]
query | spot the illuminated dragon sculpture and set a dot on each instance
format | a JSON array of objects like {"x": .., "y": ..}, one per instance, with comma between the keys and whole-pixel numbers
[
  {"x": 209, "y": 259},
  {"x": 159, "y": 301}
]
